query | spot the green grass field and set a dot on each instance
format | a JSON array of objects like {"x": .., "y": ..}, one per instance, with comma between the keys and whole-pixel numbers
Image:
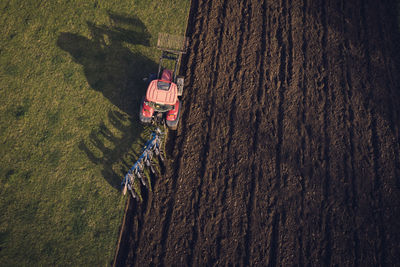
[{"x": 70, "y": 85}]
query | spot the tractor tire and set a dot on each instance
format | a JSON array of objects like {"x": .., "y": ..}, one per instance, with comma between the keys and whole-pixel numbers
[{"x": 180, "y": 80}]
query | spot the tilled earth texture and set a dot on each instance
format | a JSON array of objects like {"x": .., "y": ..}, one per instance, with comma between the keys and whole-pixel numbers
[{"x": 288, "y": 148}]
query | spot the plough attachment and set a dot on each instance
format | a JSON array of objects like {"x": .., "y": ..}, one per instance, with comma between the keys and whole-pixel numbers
[{"x": 151, "y": 148}]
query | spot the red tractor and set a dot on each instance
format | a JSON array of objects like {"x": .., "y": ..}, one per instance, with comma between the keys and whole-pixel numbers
[{"x": 161, "y": 103}]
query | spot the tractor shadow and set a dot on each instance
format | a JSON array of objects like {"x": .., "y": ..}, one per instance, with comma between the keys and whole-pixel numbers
[
  {"x": 109, "y": 66},
  {"x": 117, "y": 72}
]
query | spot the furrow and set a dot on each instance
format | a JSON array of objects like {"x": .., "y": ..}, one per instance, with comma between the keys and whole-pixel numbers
[
  {"x": 302, "y": 133},
  {"x": 273, "y": 244},
  {"x": 207, "y": 146},
  {"x": 259, "y": 146},
  {"x": 250, "y": 207},
  {"x": 281, "y": 90},
  {"x": 350, "y": 173},
  {"x": 261, "y": 89},
  {"x": 170, "y": 205},
  {"x": 327, "y": 177}
]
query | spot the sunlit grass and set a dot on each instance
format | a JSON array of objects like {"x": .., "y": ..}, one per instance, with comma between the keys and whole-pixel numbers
[{"x": 70, "y": 84}]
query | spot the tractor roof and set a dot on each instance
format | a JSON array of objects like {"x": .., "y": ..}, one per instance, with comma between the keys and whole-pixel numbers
[{"x": 162, "y": 92}]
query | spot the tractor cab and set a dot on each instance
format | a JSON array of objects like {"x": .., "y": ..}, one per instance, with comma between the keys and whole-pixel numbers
[
  {"x": 162, "y": 92},
  {"x": 162, "y": 103}
]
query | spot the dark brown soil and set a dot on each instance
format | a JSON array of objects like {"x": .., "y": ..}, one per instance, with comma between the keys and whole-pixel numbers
[{"x": 288, "y": 148}]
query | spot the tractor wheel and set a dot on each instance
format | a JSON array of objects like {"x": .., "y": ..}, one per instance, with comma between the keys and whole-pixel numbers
[{"x": 180, "y": 80}]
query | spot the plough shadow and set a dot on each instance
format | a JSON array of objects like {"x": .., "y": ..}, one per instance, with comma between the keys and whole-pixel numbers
[
  {"x": 110, "y": 146},
  {"x": 113, "y": 69}
]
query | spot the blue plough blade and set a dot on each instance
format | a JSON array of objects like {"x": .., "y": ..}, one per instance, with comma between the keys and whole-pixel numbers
[{"x": 151, "y": 146}]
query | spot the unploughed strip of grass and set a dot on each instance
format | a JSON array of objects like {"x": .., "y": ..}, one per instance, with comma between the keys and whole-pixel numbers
[{"x": 70, "y": 86}]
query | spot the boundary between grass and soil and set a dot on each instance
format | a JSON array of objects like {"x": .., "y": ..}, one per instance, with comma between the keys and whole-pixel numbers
[
  {"x": 122, "y": 248},
  {"x": 122, "y": 234}
]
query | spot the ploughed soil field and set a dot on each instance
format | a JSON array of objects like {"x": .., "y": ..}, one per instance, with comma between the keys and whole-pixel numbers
[{"x": 287, "y": 152}]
